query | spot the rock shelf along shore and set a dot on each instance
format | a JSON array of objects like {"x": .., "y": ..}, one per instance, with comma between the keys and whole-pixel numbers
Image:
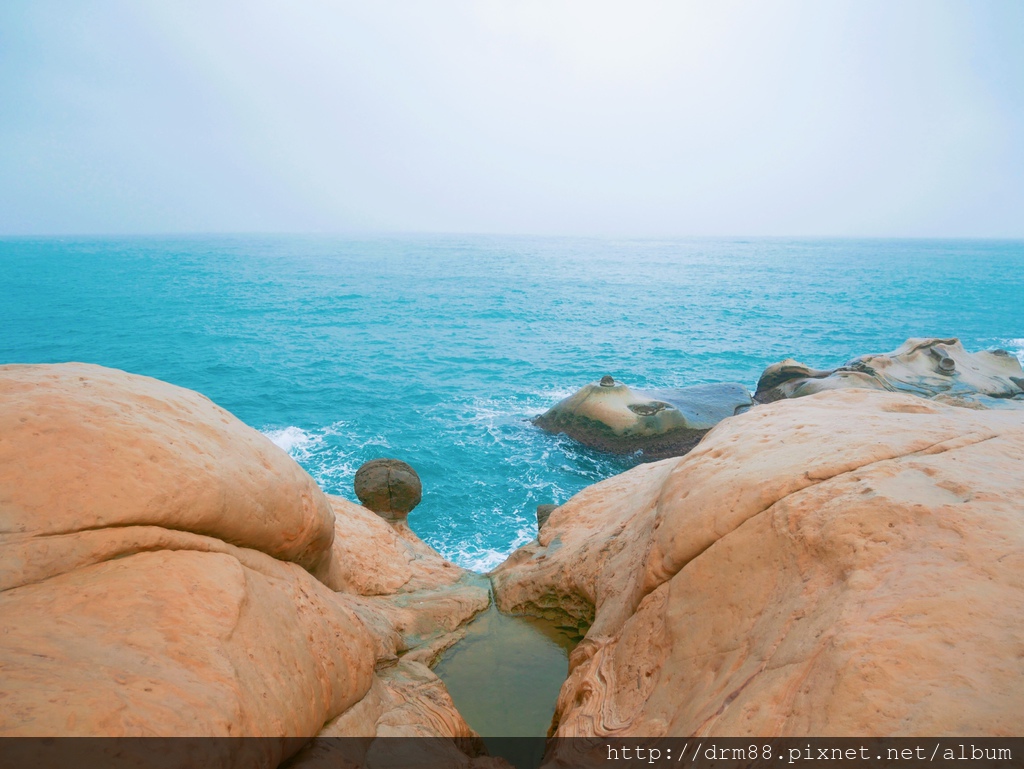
[
  {"x": 610, "y": 416},
  {"x": 846, "y": 562}
]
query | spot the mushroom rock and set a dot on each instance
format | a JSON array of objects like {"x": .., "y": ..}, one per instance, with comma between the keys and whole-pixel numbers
[
  {"x": 166, "y": 570},
  {"x": 419, "y": 601},
  {"x": 610, "y": 416},
  {"x": 931, "y": 368},
  {"x": 792, "y": 583},
  {"x": 389, "y": 487}
]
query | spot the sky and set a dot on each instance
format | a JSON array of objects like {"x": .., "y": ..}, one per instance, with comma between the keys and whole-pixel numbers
[{"x": 647, "y": 119}]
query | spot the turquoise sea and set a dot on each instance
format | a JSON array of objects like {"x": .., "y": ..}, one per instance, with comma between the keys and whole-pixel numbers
[{"x": 438, "y": 349}]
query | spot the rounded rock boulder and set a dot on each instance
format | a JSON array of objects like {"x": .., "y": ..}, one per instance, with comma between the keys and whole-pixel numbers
[{"x": 389, "y": 487}]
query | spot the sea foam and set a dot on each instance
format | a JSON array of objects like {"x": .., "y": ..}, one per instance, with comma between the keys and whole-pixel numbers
[
  {"x": 483, "y": 559},
  {"x": 296, "y": 441},
  {"x": 1016, "y": 346}
]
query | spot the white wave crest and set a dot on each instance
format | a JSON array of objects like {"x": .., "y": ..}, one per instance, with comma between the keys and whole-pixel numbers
[
  {"x": 296, "y": 441},
  {"x": 482, "y": 560},
  {"x": 1016, "y": 346}
]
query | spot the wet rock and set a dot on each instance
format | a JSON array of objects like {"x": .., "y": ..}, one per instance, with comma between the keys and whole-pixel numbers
[
  {"x": 931, "y": 368},
  {"x": 610, "y": 416},
  {"x": 389, "y": 487}
]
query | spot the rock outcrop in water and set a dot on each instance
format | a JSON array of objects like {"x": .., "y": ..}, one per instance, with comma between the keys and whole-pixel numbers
[
  {"x": 166, "y": 570},
  {"x": 609, "y": 416},
  {"x": 932, "y": 368},
  {"x": 849, "y": 563}
]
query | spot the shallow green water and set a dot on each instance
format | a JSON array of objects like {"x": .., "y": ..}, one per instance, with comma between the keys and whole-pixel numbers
[{"x": 505, "y": 675}]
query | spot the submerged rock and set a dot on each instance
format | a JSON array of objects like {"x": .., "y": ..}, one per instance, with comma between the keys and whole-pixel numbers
[
  {"x": 166, "y": 570},
  {"x": 389, "y": 487},
  {"x": 931, "y": 368},
  {"x": 609, "y": 416},
  {"x": 845, "y": 563}
]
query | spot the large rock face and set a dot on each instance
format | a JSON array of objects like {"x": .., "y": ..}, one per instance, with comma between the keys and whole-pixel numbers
[
  {"x": 931, "y": 368},
  {"x": 85, "y": 448},
  {"x": 166, "y": 570},
  {"x": 850, "y": 563},
  {"x": 609, "y": 416}
]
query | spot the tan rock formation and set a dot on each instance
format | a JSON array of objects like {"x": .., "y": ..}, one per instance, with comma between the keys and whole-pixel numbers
[
  {"x": 85, "y": 448},
  {"x": 849, "y": 563},
  {"x": 179, "y": 643},
  {"x": 931, "y": 368},
  {"x": 415, "y": 601},
  {"x": 166, "y": 570}
]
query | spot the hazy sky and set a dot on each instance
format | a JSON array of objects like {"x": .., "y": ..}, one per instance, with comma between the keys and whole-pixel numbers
[{"x": 629, "y": 118}]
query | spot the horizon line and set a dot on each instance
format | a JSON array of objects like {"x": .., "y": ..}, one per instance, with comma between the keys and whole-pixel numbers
[{"x": 377, "y": 233}]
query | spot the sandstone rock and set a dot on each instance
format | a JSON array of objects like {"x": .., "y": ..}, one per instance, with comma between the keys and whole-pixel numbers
[
  {"x": 610, "y": 416},
  {"x": 369, "y": 556},
  {"x": 434, "y": 714},
  {"x": 407, "y": 593},
  {"x": 931, "y": 368},
  {"x": 389, "y": 487},
  {"x": 179, "y": 643},
  {"x": 849, "y": 563},
  {"x": 84, "y": 448},
  {"x": 167, "y": 571}
]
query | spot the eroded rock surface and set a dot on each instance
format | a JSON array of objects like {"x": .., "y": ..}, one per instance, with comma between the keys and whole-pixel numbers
[
  {"x": 931, "y": 368},
  {"x": 415, "y": 601},
  {"x": 848, "y": 563},
  {"x": 166, "y": 570},
  {"x": 610, "y": 416}
]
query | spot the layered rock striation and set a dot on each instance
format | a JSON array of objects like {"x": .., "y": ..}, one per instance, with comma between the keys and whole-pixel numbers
[
  {"x": 166, "y": 570},
  {"x": 931, "y": 368},
  {"x": 848, "y": 563}
]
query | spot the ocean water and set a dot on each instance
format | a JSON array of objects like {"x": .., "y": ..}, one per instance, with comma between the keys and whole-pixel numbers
[{"x": 438, "y": 349}]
